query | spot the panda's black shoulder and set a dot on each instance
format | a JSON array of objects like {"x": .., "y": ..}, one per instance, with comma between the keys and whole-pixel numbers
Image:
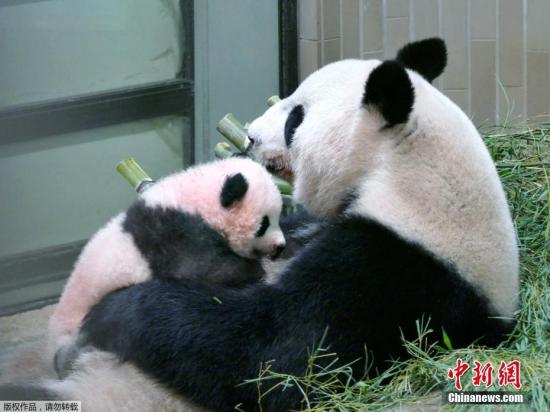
[{"x": 367, "y": 264}]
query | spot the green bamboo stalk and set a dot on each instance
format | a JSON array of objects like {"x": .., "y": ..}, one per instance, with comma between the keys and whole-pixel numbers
[
  {"x": 234, "y": 131},
  {"x": 289, "y": 206},
  {"x": 284, "y": 187},
  {"x": 222, "y": 150},
  {"x": 134, "y": 174},
  {"x": 273, "y": 100}
]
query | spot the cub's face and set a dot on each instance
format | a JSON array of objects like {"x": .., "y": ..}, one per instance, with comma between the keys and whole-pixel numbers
[
  {"x": 337, "y": 126},
  {"x": 268, "y": 240},
  {"x": 252, "y": 206},
  {"x": 236, "y": 197}
]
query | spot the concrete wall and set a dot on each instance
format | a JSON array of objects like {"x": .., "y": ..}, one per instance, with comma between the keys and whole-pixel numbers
[{"x": 499, "y": 50}]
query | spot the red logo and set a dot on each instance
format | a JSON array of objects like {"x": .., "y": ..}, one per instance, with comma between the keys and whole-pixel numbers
[
  {"x": 456, "y": 373},
  {"x": 483, "y": 374},
  {"x": 510, "y": 374}
]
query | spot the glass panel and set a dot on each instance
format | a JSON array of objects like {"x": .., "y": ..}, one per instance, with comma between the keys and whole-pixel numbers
[
  {"x": 59, "y": 48},
  {"x": 62, "y": 189},
  {"x": 237, "y": 63}
]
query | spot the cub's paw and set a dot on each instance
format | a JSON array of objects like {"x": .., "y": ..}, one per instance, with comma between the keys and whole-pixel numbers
[{"x": 65, "y": 357}]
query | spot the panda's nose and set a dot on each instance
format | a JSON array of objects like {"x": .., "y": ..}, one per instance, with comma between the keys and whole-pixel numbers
[
  {"x": 251, "y": 140},
  {"x": 277, "y": 250}
]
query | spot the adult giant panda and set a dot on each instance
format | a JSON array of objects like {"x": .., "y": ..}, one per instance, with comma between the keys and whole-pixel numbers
[{"x": 418, "y": 227}]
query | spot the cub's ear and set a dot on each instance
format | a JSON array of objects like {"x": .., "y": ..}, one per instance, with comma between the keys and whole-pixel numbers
[
  {"x": 234, "y": 188},
  {"x": 428, "y": 57},
  {"x": 389, "y": 90}
]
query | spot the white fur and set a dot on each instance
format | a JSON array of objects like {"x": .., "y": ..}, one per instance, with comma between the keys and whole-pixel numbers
[
  {"x": 432, "y": 179},
  {"x": 103, "y": 384},
  {"x": 109, "y": 261}
]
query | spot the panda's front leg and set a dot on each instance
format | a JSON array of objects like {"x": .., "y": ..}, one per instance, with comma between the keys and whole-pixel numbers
[
  {"x": 108, "y": 326},
  {"x": 100, "y": 330},
  {"x": 136, "y": 321}
]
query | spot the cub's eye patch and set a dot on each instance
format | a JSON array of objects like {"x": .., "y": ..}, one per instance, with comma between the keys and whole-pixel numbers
[
  {"x": 263, "y": 227},
  {"x": 294, "y": 119}
]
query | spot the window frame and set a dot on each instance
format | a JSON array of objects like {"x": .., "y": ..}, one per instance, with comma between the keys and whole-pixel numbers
[
  {"x": 34, "y": 279},
  {"x": 288, "y": 47},
  {"x": 171, "y": 97},
  {"x": 110, "y": 107}
]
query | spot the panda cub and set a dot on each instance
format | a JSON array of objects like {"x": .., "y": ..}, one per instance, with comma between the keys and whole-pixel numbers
[{"x": 210, "y": 223}]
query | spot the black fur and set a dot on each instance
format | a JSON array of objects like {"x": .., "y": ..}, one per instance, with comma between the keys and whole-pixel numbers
[
  {"x": 428, "y": 57},
  {"x": 299, "y": 228},
  {"x": 390, "y": 91},
  {"x": 263, "y": 227},
  {"x": 347, "y": 201},
  {"x": 180, "y": 245},
  {"x": 294, "y": 119},
  {"x": 357, "y": 278},
  {"x": 233, "y": 190}
]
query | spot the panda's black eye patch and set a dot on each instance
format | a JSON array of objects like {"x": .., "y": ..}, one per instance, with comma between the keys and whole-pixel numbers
[
  {"x": 263, "y": 227},
  {"x": 294, "y": 119}
]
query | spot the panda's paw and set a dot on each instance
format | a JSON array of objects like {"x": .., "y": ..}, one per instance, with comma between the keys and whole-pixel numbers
[{"x": 65, "y": 357}]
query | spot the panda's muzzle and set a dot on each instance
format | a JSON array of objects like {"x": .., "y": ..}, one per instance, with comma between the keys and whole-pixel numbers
[
  {"x": 272, "y": 254},
  {"x": 278, "y": 164},
  {"x": 283, "y": 171},
  {"x": 276, "y": 161},
  {"x": 277, "y": 250}
]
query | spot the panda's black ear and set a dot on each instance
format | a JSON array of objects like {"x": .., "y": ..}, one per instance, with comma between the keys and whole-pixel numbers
[
  {"x": 234, "y": 188},
  {"x": 428, "y": 57},
  {"x": 390, "y": 91}
]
